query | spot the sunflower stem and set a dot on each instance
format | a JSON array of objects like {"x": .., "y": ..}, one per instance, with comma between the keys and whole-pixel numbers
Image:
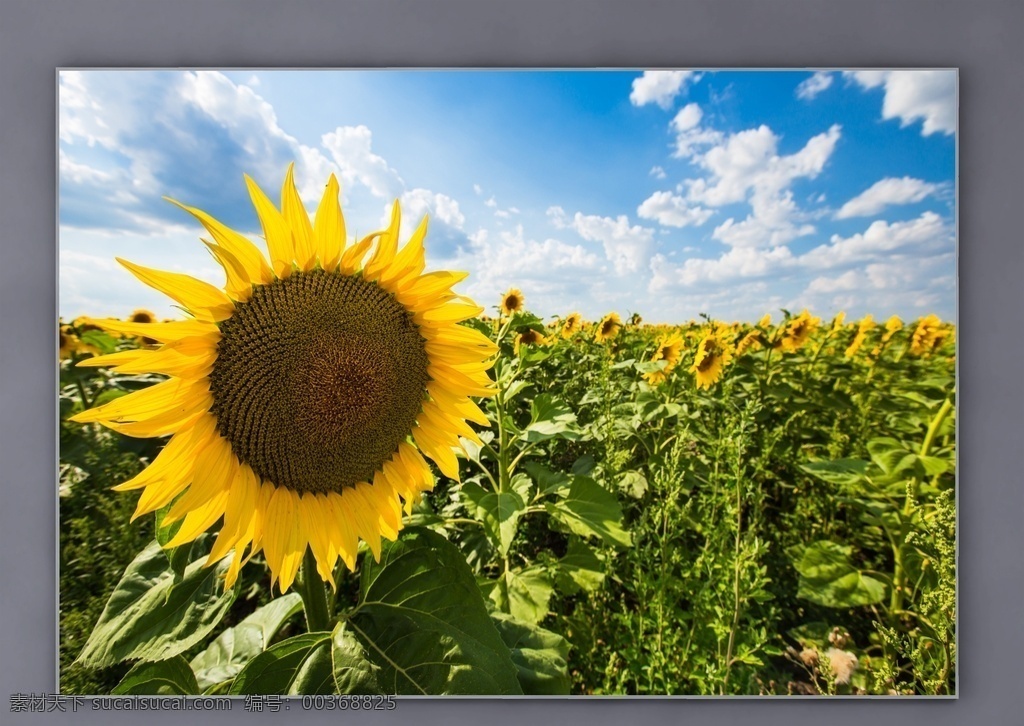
[{"x": 313, "y": 592}]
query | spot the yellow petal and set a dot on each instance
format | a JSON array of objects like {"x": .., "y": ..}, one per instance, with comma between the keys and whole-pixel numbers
[
  {"x": 252, "y": 260},
  {"x": 203, "y": 300},
  {"x": 191, "y": 358},
  {"x": 329, "y": 227},
  {"x": 199, "y": 520},
  {"x": 311, "y": 507},
  {"x": 429, "y": 284},
  {"x": 409, "y": 260},
  {"x": 353, "y": 257},
  {"x": 170, "y": 395},
  {"x": 238, "y": 286},
  {"x": 451, "y": 313},
  {"x": 387, "y": 245},
  {"x": 364, "y": 515},
  {"x": 216, "y": 468},
  {"x": 342, "y": 530},
  {"x": 275, "y": 230},
  {"x": 298, "y": 220},
  {"x": 161, "y": 332},
  {"x": 437, "y": 450},
  {"x": 123, "y": 357},
  {"x": 237, "y": 513}
]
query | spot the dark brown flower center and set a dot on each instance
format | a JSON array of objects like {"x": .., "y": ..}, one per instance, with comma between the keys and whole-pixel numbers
[{"x": 318, "y": 378}]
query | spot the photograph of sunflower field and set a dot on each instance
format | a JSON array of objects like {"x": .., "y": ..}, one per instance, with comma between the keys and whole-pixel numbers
[{"x": 635, "y": 382}]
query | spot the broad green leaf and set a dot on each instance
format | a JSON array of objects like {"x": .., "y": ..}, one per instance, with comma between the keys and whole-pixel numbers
[
  {"x": 422, "y": 621},
  {"x": 846, "y": 472},
  {"x": 539, "y": 655},
  {"x": 584, "y": 465},
  {"x": 828, "y": 578},
  {"x": 273, "y": 671},
  {"x": 101, "y": 340},
  {"x": 580, "y": 568},
  {"x": 890, "y": 455},
  {"x": 225, "y": 656},
  {"x": 171, "y": 677},
  {"x": 549, "y": 418},
  {"x": 634, "y": 484},
  {"x": 528, "y": 591},
  {"x": 315, "y": 676},
  {"x": 515, "y": 388},
  {"x": 590, "y": 509},
  {"x": 548, "y": 482},
  {"x": 932, "y": 465},
  {"x": 499, "y": 511},
  {"x": 149, "y": 616},
  {"x": 354, "y": 672}
]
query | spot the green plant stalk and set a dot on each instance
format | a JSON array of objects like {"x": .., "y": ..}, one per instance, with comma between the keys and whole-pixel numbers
[
  {"x": 312, "y": 590},
  {"x": 899, "y": 584}
]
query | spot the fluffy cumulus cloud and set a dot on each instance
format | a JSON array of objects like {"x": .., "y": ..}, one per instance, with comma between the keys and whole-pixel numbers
[
  {"x": 671, "y": 210},
  {"x": 927, "y": 233},
  {"x": 690, "y": 135},
  {"x": 814, "y": 85},
  {"x": 737, "y": 263},
  {"x": 884, "y": 193},
  {"x": 660, "y": 87},
  {"x": 911, "y": 96},
  {"x": 351, "y": 149},
  {"x": 628, "y": 247}
]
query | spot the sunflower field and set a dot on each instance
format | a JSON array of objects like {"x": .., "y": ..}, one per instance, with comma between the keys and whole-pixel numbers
[{"x": 609, "y": 507}]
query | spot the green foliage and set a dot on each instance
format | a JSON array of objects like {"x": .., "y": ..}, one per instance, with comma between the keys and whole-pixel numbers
[{"x": 791, "y": 529}]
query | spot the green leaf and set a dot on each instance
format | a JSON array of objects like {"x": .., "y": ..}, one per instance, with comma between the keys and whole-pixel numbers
[
  {"x": 354, "y": 672},
  {"x": 151, "y": 617},
  {"x": 529, "y": 592},
  {"x": 171, "y": 677},
  {"x": 549, "y": 418},
  {"x": 590, "y": 509},
  {"x": 828, "y": 578},
  {"x": 581, "y": 568},
  {"x": 315, "y": 676},
  {"x": 101, "y": 340},
  {"x": 225, "y": 656},
  {"x": 634, "y": 484},
  {"x": 499, "y": 511},
  {"x": 423, "y": 623},
  {"x": 846, "y": 472},
  {"x": 889, "y": 455},
  {"x": 539, "y": 655},
  {"x": 548, "y": 481},
  {"x": 274, "y": 671}
]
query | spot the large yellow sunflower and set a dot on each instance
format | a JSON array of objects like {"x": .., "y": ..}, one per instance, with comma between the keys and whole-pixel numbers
[
  {"x": 301, "y": 398},
  {"x": 608, "y": 328},
  {"x": 710, "y": 359}
]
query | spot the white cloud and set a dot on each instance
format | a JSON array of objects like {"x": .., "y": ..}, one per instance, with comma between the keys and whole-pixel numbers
[
  {"x": 672, "y": 211},
  {"x": 80, "y": 173},
  {"x": 690, "y": 135},
  {"x": 492, "y": 202},
  {"x": 350, "y": 148},
  {"x": 814, "y": 85},
  {"x": 477, "y": 189},
  {"x": 737, "y": 263},
  {"x": 416, "y": 203},
  {"x": 657, "y": 172},
  {"x": 660, "y": 87},
  {"x": 626, "y": 247},
  {"x": 927, "y": 96},
  {"x": 927, "y": 232},
  {"x": 886, "y": 192}
]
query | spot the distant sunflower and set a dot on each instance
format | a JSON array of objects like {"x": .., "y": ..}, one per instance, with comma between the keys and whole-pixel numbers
[
  {"x": 765, "y": 321},
  {"x": 68, "y": 342},
  {"x": 670, "y": 350},
  {"x": 837, "y": 321},
  {"x": 608, "y": 328},
  {"x": 799, "y": 330},
  {"x": 295, "y": 394},
  {"x": 928, "y": 336},
  {"x": 529, "y": 337},
  {"x": 142, "y": 316},
  {"x": 512, "y": 301},
  {"x": 748, "y": 342},
  {"x": 892, "y": 326},
  {"x": 863, "y": 328},
  {"x": 572, "y": 325},
  {"x": 710, "y": 360}
]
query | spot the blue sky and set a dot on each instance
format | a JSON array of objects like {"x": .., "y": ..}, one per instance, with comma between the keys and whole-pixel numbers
[{"x": 668, "y": 193}]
